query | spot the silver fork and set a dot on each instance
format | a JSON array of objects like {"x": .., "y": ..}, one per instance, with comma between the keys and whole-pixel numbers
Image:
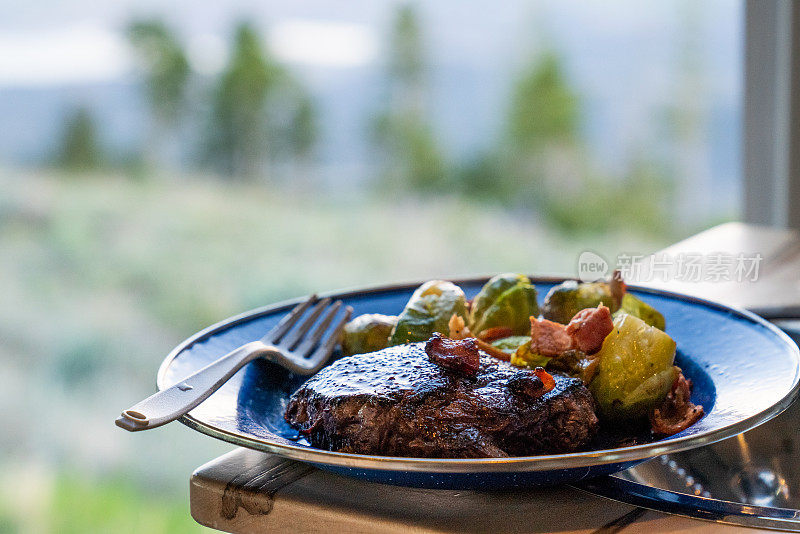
[{"x": 301, "y": 350}]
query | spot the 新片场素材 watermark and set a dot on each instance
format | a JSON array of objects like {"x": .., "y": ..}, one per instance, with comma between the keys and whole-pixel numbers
[{"x": 687, "y": 267}]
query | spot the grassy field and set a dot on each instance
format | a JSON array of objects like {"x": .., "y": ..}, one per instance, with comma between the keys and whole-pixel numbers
[{"x": 101, "y": 276}]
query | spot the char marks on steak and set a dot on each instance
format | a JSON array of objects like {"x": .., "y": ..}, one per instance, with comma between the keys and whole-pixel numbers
[{"x": 396, "y": 402}]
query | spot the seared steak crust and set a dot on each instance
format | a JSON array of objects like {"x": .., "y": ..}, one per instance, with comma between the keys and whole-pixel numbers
[{"x": 396, "y": 402}]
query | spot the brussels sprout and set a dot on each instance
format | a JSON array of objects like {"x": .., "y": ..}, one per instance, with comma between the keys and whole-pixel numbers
[
  {"x": 506, "y": 300},
  {"x": 367, "y": 333},
  {"x": 634, "y": 306},
  {"x": 565, "y": 300},
  {"x": 429, "y": 310},
  {"x": 524, "y": 357},
  {"x": 635, "y": 371},
  {"x": 510, "y": 344},
  {"x": 576, "y": 364}
]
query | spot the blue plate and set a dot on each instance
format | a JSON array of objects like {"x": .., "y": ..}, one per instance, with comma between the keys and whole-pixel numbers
[{"x": 745, "y": 371}]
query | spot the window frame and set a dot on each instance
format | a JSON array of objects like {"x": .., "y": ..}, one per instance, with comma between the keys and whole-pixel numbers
[{"x": 771, "y": 169}]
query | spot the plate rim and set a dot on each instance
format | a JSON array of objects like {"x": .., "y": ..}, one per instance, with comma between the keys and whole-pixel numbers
[
  {"x": 697, "y": 507},
  {"x": 585, "y": 459}
]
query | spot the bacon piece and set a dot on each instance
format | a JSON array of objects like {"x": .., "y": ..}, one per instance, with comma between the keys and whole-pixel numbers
[
  {"x": 618, "y": 288},
  {"x": 549, "y": 338},
  {"x": 460, "y": 330},
  {"x": 589, "y": 327},
  {"x": 585, "y": 332},
  {"x": 546, "y": 378},
  {"x": 532, "y": 384},
  {"x": 456, "y": 355},
  {"x": 493, "y": 351},
  {"x": 677, "y": 412},
  {"x": 494, "y": 333}
]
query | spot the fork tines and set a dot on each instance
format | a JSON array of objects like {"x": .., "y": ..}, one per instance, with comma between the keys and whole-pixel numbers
[{"x": 307, "y": 327}]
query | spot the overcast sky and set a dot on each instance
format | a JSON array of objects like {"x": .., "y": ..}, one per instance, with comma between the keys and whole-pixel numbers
[{"x": 56, "y": 41}]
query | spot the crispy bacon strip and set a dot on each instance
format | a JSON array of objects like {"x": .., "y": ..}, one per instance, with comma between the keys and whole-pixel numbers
[
  {"x": 546, "y": 378},
  {"x": 549, "y": 338},
  {"x": 617, "y": 287},
  {"x": 589, "y": 328},
  {"x": 456, "y": 355},
  {"x": 585, "y": 332},
  {"x": 460, "y": 330},
  {"x": 494, "y": 333},
  {"x": 677, "y": 412},
  {"x": 493, "y": 351}
]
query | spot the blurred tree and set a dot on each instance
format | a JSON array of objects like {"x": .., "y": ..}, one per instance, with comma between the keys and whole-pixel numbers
[
  {"x": 294, "y": 132},
  {"x": 412, "y": 155},
  {"x": 483, "y": 178},
  {"x": 544, "y": 109},
  {"x": 540, "y": 143},
  {"x": 79, "y": 149},
  {"x": 239, "y": 137},
  {"x": 167, "y": 72},
  {"x": 406, "y": 59},
  {"x": 543, "y": 163},
  {"x": 303, "y": 127},
  {"x": 542, "y": 152}
]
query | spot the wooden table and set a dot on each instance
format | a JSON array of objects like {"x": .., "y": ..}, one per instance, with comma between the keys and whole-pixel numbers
[{"x": 246, "y": 491}]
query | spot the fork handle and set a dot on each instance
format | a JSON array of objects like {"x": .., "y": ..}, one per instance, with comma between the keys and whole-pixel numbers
[{"x": 173, "y": 402}]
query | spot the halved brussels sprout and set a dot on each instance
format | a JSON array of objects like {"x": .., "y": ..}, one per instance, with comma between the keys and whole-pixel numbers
[
  {"x": 506, "y": 300},
  {"x": 524, "y": 357},
  {"x": 634, "y": 306},
  {"x": 367, "y": 333},
  {"x": 635, "y": 370},
  {"x": 566, "y": 299},
  {"x": 510, "y": 344},
  {"x": 576, "y": 364},
  {"x": 429, "y": 310}
]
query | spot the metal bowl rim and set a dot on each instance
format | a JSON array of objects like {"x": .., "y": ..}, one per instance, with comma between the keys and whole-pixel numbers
[
  {"x": 549, "y": 462},
  {"x": 698, "y": 507}
]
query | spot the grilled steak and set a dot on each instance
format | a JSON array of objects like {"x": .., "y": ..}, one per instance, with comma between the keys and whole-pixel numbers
[{"x": 396, "y": 402}]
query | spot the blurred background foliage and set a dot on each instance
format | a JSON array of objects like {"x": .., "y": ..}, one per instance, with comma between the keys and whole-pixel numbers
[
  {"x": 111, "y": 254},
  {"x": 258, "y": 121}
]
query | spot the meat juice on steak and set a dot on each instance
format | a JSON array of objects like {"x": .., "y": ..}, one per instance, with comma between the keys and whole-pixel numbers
[{"x": 396, "y": 402}]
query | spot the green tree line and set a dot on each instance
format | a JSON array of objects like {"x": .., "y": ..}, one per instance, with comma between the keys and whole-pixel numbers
[
  {"x": 258, "y": 113},
  {"x": 540, "y": 162}
]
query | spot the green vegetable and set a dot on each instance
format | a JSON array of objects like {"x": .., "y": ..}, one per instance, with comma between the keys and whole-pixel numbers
[
  {"x": 576, "y": 364},
  {"x": 510, "y": 344},
  {"x": 429, "y": 310},
  {"x": 367, "y": 333},
  {"x": 565, "y": 300},
  {"x": 638, "y": 308},
  {"x": 506, "y": 300},
  {"x": 635, "y": 370},
  {"x": 524, "y": 357}
]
